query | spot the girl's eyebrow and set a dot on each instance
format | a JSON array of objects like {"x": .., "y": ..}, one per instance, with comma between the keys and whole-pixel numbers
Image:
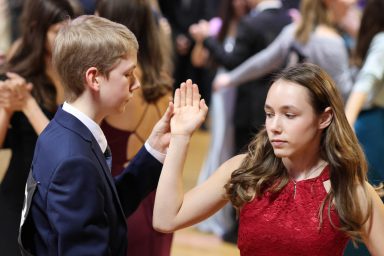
[{"x": 285, "y": 107}]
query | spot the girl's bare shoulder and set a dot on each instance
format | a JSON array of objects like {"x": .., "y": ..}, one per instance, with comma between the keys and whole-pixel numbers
[{"x": 234, "y": 162}]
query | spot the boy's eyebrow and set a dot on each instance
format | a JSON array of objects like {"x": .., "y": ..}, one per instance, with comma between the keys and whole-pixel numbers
[{"x": 130, "y": 68}]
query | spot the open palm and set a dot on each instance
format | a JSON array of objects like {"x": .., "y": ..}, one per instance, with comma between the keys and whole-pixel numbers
[{"x": 189, "y": 110}]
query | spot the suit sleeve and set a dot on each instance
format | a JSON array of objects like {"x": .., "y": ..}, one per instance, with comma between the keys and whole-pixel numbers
[
  {"x": 76, "y": 209},
  {"x": 265, "y": 61},
  {"x": 248, "y": 41},
  {"x": 137, "y": 180}
]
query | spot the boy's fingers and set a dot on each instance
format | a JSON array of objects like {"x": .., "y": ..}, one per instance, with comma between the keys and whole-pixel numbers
[
  {"x": 169, "y": 112},
  {"x": 203, "y": 108},
  {"x": 166, "y": 118}
]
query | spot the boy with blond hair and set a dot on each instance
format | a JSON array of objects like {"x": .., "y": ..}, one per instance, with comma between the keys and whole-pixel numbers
[{"x": 73, "y": 205}]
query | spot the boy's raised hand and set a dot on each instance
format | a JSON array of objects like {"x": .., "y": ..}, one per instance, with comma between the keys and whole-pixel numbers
[{"x": 189, "y": 110}]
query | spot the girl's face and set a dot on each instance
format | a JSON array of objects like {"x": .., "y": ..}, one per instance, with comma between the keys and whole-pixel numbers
[
  {"x": 51, "y": 36},
  {"x": 293, "y": 126}
]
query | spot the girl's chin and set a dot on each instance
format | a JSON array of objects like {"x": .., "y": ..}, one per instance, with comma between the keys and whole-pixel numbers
[{"x": 280, "y": 153}]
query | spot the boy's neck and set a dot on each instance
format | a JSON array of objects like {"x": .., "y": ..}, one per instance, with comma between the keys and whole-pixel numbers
[{"x": 90, "y": 108}]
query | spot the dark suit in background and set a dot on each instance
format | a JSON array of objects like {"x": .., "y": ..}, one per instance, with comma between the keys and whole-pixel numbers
[
  {"x": 181, "y": 14},
  {"x": 254, "y": 33}
]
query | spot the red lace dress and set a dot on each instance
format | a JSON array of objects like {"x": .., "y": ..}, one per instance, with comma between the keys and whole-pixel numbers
[{"x": 288, "y": 223}]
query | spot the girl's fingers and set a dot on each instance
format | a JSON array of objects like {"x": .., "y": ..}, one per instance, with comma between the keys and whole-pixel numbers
[
  {"x": 196, "y": 95},
  {"x": 182, "y": 94},
  {"x": 189, "y": 93},
  {"x": 176, "y": 100}
]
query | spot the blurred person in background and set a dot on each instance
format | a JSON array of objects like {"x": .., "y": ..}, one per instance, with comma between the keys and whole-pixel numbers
[
  {"x": 5, "y": 31},
  {"x": 181, "y": 14},
  {"x": 365, "y": 105},
  {"x": 254, "y": 33},
  {"x": 314, "y": 38},
  {"x": 28, "y": 99},
  {"x": 222, "y": 147}
]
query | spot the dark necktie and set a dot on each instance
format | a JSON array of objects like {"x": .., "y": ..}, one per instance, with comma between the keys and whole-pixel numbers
[{"x": 108, "y": 157}]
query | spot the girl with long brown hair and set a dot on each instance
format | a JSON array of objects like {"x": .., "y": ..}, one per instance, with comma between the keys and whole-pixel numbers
[{"x": 302, "y": 187}]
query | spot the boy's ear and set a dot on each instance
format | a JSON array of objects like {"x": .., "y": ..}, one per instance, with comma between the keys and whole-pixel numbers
[
  {"x": 91, "y": 78},
  {"x": 326, "y": 118}
]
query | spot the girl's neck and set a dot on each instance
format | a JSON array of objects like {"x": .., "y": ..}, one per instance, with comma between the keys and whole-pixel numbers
[{"x": 304, "y": 169}]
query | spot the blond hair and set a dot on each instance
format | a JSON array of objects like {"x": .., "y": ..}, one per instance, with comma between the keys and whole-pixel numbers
[{"x": 89, "y": 41}]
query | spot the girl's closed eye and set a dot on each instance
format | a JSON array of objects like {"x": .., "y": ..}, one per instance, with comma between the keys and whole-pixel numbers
[{"x": 290, "y": 115}]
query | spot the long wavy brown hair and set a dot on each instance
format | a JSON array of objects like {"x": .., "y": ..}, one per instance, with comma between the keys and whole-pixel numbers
[
  {"x": 262, "y": 171},
  {"x": 29, "y": 57}
]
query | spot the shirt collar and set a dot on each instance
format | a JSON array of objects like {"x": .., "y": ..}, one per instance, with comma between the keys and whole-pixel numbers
[{"x": 89, "y": 123}]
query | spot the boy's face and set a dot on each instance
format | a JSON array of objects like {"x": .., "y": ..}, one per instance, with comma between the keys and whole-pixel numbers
[{"x": 117, "y": 90}]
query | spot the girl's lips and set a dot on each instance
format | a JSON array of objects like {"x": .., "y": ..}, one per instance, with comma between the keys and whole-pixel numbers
[
  {"x": 278, "y": 143},
  {"x": 277, "y": 140}
]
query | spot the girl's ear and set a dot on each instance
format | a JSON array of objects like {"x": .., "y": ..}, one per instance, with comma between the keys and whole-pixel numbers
[
  {"x": 91, "y": 79},
  {"x": 326, "y": 118}
]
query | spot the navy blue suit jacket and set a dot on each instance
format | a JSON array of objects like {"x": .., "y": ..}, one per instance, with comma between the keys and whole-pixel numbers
[{"x": 73, "y": 205}]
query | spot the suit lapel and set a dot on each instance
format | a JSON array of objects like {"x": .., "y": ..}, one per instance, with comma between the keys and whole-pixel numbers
[
  {"x": 72, "y": 123},
  {"x": 107, "y": 172}
]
